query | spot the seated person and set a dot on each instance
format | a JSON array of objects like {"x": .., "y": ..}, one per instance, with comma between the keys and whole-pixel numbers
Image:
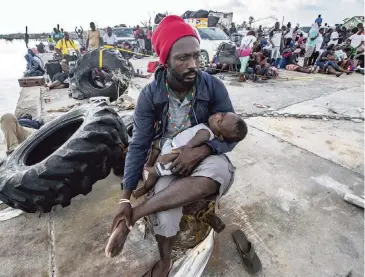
[
  {"x": 291, "y": 62},
  {"x": 60, "y": 79},
  {"x": 17, "y": 130},
  {"x": 67, "y": 48},
  {"x": 327, "y": 62},
  {"x": 34, "y": 67},
  {"x": 234, "y": 131}
]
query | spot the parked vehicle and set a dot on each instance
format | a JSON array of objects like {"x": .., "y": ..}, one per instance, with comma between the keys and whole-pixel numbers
[
  {"x": 210, "y": 39},
  {"x": 125, "y": 34},
  {"x": 304, "y": 31}
]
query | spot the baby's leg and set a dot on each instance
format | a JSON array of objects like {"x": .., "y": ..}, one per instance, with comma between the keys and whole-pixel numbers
[
  {"x": 148, "y": 185},
  {"x": 155, "y": 152}
]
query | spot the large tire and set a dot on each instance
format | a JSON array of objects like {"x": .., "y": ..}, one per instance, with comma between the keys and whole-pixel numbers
[
  {"x": 89, "y": 89},
  {"x": 112, "y": 61},
  {"x": 63, "y": 159}
]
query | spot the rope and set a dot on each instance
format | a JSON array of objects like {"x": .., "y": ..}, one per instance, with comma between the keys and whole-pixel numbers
[{"x": 128, "y": 51}]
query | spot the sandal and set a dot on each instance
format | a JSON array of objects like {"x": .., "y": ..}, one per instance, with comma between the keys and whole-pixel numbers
[
  {"x": 249, "y": 258},
  {"x": 149, "y": 272}
]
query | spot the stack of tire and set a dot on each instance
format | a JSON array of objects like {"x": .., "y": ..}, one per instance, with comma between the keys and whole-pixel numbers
[
  {"x": 64, "y": 159},
  {"x": 109, "y": 60}
]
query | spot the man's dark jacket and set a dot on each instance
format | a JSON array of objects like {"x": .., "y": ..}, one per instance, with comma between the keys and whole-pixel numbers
[{"x": 150, "y": 119}]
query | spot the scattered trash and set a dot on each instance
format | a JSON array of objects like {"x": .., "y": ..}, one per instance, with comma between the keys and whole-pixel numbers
[
  {"x": 63, "y": 109},
  {"x": 354, "y": 199},
  {"x": 261, "y": 106},
  {"x": 357, "y": 120}
]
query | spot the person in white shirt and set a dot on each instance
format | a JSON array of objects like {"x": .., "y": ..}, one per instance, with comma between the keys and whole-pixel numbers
[
  {"x": 357, "y": 39},
  {"x": 275, "y": 41},
  {"x": 334, "y": 37},
  {"x": 288, "y": 33},
  {"x": 109, "y": 38}
]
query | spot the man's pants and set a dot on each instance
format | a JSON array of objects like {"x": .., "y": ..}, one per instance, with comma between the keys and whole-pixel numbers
[
  {"x": 216, "y": 167},
  {"x": 141, "y": 43},
  {"x": 275, "y": 52},
  {"x": 13, "y": 132}
]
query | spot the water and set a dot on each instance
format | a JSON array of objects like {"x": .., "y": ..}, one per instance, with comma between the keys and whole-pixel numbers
[{"x": 12, "y": 66}]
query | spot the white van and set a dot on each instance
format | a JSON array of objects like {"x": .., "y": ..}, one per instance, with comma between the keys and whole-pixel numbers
[{"x": 210, "y": 39}]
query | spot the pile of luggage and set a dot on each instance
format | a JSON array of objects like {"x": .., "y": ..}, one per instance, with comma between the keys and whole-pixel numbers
[{"x": 212, "y": 20}]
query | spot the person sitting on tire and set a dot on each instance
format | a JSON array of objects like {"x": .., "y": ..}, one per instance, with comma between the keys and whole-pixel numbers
[
  {"x": 67, "y": 48},
  {"x": 17, "y": 130},
  {"x": 168, "y": 105}
]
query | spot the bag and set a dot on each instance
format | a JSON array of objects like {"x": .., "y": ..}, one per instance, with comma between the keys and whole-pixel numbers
[
  {"x": 151, "y": 67},
  {"x": 245, "y": 51}
]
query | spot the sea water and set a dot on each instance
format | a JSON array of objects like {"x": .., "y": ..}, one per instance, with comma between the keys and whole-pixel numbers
[{"x": 12, "y": 66}]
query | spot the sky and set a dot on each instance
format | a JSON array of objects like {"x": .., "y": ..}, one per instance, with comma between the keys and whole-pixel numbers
[{"x": 44, "y": 15}]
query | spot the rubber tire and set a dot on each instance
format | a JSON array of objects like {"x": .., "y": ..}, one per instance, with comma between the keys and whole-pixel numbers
[
  {"x": 84, "y": 158},
  {"x": 206, "y": 56},
  {"x": 112, "y": 60},
  {"x": 88, "y": 90}
]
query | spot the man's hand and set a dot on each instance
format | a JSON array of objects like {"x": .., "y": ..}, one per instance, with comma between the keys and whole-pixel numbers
[
  {"x": 124, "y": 212},
  {"x": 188, "y": 159}
]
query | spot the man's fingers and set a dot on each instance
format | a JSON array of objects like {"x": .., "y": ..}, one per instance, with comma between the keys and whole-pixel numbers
[
  {"x": 116, "y": 220},
  {"x": 174, "y": 164},
  {"x": 128, "y": 222}
]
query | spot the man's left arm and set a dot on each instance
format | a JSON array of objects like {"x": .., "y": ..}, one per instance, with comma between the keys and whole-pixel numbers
[{"x": 221, "y": 104}]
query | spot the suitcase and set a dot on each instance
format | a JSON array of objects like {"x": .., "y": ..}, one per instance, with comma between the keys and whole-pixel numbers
[
  {"x": 52, "y": 67},
  {"x": 31, "y": 81}
]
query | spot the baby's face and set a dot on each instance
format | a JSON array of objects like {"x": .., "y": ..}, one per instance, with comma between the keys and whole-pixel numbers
[{"x": 223, "y": 125}]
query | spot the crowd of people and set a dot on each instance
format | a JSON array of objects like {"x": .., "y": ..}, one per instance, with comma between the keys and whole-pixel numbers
[{"x": 331, "y": 50}]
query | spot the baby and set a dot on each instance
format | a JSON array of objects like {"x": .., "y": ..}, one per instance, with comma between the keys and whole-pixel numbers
[{"x": 223, "y": 126}]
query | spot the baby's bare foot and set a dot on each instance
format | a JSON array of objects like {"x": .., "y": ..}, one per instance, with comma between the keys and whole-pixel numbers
[{"x": 117, "y": 239}]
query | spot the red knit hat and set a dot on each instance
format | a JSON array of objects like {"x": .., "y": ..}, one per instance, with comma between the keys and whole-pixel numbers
[{"x": 170, "y": 29}]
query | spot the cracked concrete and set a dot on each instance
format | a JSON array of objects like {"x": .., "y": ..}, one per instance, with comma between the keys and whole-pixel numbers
[{"x": 287, "y": 196}]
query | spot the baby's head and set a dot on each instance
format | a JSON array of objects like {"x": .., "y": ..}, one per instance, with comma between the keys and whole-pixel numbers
[{"x": 228, "y": 127}]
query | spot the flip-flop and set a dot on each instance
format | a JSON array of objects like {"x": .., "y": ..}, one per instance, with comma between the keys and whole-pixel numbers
[
  {"x": 249, "y": 258},
  {"x": 149, "y": 272}
]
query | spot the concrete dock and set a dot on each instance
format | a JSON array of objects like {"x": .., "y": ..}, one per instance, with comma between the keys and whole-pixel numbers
[{"x": 304, "y": 151}]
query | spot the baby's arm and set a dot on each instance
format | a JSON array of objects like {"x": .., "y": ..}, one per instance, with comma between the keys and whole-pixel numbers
[{"x": 201, "y": 137}]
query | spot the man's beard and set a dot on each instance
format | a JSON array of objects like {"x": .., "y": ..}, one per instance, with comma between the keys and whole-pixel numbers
[{"x": 188, "y": 84}]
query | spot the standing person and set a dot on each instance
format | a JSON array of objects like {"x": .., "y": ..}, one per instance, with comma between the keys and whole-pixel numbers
[
  {"x": 181, "y": 96},
  {"x": 317, "y": 51},
  {"x": 357, "y": 39},
  {"x": 110, "y": 38},
  {"x": 232, "y": 30},
  {"x": 93, "y": 38},
  {"x": 65, "y": 47},
  {"x": 334, "y": 36},
  {"x": 80, "y": 35},
  {"x": 57, "y": 35},
  {"x": 318, "y": 20},
  {"x": 148, "y": 43},
  {"x": 260, "y": 32},
  {"x": 311, "y": 43},
  {"x": 244, "y": 53},
  {"x": 288, "y": 35},
  {"x": 275, "y": 41},
  {"x": 140, "y": 36}
]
